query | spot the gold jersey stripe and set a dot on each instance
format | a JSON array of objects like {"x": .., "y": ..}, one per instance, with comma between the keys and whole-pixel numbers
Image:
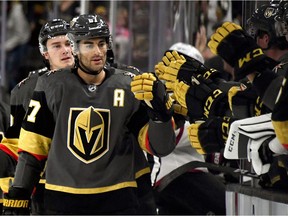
[
  {"x": 34, "y": 143},
  {"x": 5, "y": 183},
  {"x": 281, "y": 131},
  {"x": 142, "y": 172},
  {"x": 42, "y": 181},
  {"x": 11, "y": 144},
  {"x": 90, "y": 190}
]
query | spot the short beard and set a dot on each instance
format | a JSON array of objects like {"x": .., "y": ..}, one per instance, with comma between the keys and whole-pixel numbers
[{"x": 85, "y": 69}]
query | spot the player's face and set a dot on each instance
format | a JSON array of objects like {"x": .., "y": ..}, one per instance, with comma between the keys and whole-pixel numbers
[
  {"x": 92, "y": 54},
  {"x": 59, "y": 52},
  {"x": 263, "y": 42}
]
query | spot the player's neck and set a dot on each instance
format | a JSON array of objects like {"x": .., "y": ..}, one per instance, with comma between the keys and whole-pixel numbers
[{"x": 92, "y": 79}]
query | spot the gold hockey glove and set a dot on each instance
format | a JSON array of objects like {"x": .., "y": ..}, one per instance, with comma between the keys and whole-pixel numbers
[
  {"x": 239, "y": 50},
  {"x": 209, "y": 136},
  {"x": 202, "y": 99},
  {"x": 179, "y": 109},
  {"x": 16, "y": 202},
  {"x": 146, "y": 87},
  {"x": 180, "y": 67}
]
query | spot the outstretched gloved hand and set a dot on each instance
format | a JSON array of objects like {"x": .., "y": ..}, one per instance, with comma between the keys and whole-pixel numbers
[
  {"x": 239, "y": 50},
  {"x": 179, "y": 67},
  {"x": 147, "y": 88}
]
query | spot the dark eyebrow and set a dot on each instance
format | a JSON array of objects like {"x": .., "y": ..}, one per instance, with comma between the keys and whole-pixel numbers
[
  {"x": 58, "y": 42},
  {"x": 90, "y": 41},
  {"x": 87, "y": 42},
  {"x": 55, "y": 43}
]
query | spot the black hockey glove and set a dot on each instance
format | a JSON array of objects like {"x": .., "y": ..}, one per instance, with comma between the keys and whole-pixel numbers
[
  {"x": 146, "y": 87},
  {"x": 180, "y": 67},
  {"x": 16, "y": 202},
  {"x": 239, "y": 50},
  {"x": 210, "y": 136},
  {"x": 265, "y": 153},
  {"x": 277, "y": 176},
  {"x": 202, "y": 98}
]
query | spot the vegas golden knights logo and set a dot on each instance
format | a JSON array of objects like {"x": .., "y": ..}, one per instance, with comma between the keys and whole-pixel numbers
[
  {"x": 269, "y": 12},
  {"x": 88, "y": 134}
]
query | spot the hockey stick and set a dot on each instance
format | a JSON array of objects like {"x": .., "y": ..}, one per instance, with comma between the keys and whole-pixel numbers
[{"x": 196, "y": 164}]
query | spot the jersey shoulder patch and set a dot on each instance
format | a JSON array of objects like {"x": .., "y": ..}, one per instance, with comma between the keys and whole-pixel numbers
[
  {"x": 130, "y": 74},
  {"x": 32, "y": 74},
  {"x": 52, "y": 71}
]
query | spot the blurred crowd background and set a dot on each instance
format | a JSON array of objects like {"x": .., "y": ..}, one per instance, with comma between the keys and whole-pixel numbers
[{"x": 141, "y": 30}]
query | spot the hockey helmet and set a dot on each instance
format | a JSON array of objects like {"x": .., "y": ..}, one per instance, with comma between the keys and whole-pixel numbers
[
  {"x": 265, "y": 20},
  {"x": 88, "y": 26},
  {"x": 188, "y": 50},
  {"x": 51, "y": 29},
  {"x": 282, "y": 18}
]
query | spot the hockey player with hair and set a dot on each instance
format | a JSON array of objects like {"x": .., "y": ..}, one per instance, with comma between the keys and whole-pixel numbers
[
  {"x": 257, "y": 62},
  {"x": 211, "y": 135},
  {"x": 57, "y": 53},
  {"x": 90, "y": 116}
]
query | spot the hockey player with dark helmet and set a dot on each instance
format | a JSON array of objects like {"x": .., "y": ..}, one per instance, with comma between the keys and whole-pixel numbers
[
  {"x": 264, "y": 21},
  {"x": 53, "y": 28},
  {"x": 265, "y": 80},
  {"x": 84, "y": 27},
  {"x": 90, "y": 26},
  {"x": 56, "y": 50},
  {"x": 113, "y": 113}
]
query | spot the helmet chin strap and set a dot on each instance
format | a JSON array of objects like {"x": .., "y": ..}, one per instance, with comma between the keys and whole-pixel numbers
[{"x": 77, "y": 64}]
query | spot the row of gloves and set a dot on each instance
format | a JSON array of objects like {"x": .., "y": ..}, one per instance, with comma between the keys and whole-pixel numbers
[{"x": 195, "y": 90}]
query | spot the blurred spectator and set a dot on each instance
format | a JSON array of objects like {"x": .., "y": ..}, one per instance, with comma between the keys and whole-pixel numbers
[
  {"x": 37, "y": 13},
  {"x": 65, "y": 9},
  {"x": 211, "y": 60},
  {"x": 215, "y": 12},
  {"x": 68, "y": 9},
  {"x": 102, "y": 11},
  {"x": 140, "y": 34},
  {"x": 237, "y": 12},
  {"x": 122, "y": 35},
  {"x": 17, "y": 36}
]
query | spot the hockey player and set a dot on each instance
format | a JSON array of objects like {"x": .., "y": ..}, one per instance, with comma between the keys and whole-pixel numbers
[
  {"x": 186, "y": 194},
  {"x": 87, "y": 121},
  {"x": 249, "y": 60},
  {"x": 208, "y": 136},
  {"x": 56, "y": 50},
  {"x": 262, "y": 28}
]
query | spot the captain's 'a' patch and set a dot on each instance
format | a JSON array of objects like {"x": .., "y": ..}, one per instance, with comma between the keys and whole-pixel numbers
[{"x": 88, "y": 134}]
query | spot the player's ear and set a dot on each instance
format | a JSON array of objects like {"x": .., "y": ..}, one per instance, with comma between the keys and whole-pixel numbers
[{"x": 45, "y": 55}]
